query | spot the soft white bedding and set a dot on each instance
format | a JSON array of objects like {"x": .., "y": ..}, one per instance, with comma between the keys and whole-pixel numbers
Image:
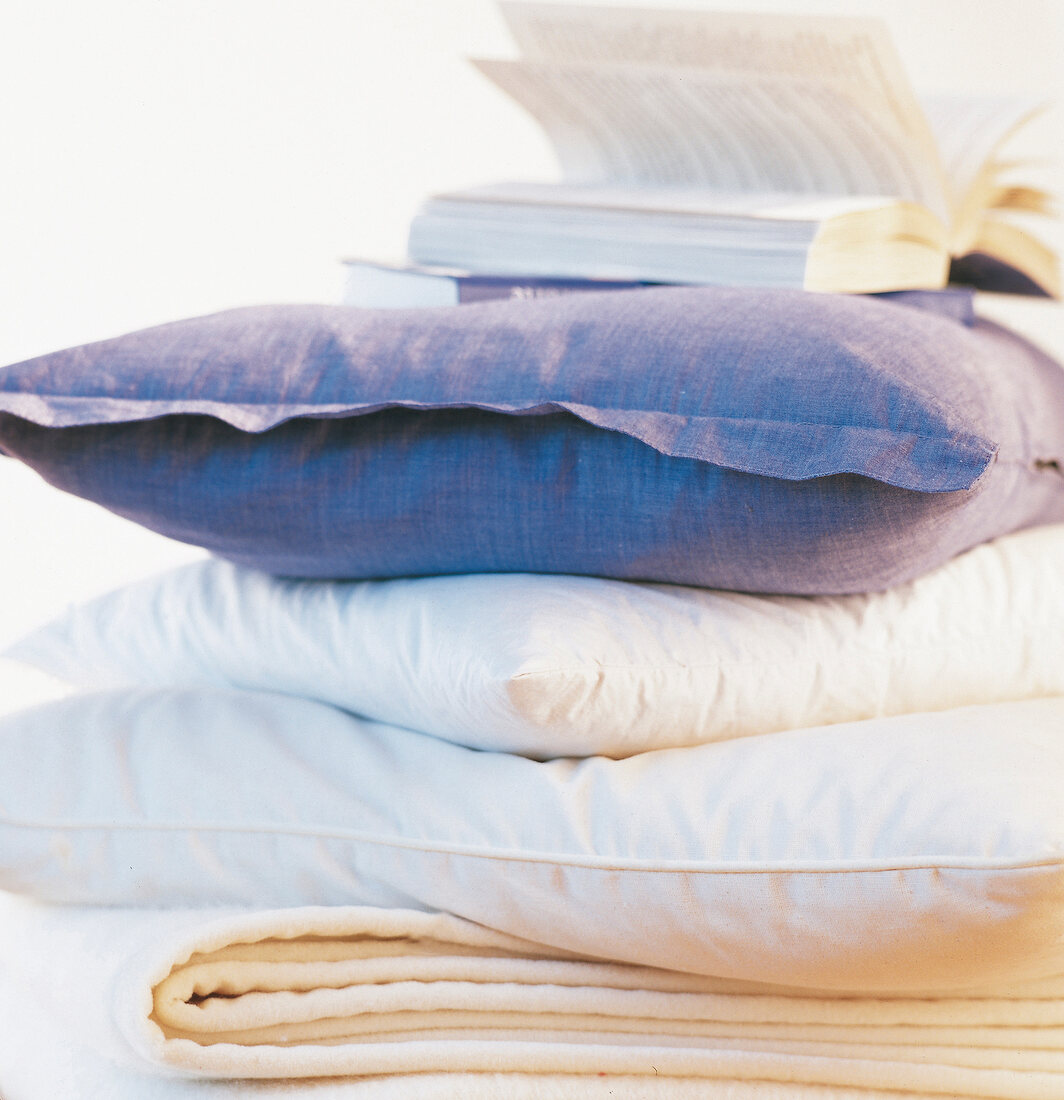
[
  {"x": 888, "y": 854},
  {"x": 59, "y": 1035}
]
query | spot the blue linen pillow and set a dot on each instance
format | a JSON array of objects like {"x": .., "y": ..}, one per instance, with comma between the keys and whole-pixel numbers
[{"x": 762, "y": 440}]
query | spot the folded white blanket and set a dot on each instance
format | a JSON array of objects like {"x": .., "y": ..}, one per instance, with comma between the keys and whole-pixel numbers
[{"x": 422, "y": 1005}]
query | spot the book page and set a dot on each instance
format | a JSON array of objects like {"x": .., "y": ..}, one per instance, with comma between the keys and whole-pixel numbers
[
  {"x": 817, "y": 81},
  {"x": 970, "y": 130},
  {"x": 854, "y": 52},
  {"x": 784, "y": 206},
  {"x": 1030, "y": 200},
  {"x": 642, "y": 125}
]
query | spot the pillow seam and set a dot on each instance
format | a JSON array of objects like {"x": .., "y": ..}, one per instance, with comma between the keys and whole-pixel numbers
[{"x": 954, "y": 863}]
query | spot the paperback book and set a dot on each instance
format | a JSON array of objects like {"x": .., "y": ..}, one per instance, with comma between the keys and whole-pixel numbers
[
  {"x": 376, "y": 284},
  {"x": 705, "y": 147}
]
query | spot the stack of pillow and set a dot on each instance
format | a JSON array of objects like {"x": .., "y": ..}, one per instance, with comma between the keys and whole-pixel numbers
[{"x": 701, "y": 629}]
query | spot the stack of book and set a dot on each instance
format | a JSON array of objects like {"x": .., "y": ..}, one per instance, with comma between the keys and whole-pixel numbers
[{"x": 721, "y": 148}]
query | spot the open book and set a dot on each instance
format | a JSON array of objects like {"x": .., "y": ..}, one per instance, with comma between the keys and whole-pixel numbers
[{"x": 711, "y": 147}]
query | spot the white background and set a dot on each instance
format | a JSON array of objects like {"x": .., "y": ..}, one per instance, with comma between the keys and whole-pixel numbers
[{"x": 163, "y": 159}]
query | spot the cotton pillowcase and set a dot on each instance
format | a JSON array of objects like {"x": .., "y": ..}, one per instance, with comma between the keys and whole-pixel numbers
[
  {"x": 915, "y": 852},
  {"x": 757, "y": 440},
  {"x": 577, "y": 666}
]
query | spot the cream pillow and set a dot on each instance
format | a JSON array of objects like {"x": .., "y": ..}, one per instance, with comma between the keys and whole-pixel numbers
[
  {"x": 915, "y": 852},
  {"x": 575, "y": 666}
]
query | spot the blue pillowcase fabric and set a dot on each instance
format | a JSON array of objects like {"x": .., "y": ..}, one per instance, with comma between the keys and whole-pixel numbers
[{"x": 759, "y": 440}]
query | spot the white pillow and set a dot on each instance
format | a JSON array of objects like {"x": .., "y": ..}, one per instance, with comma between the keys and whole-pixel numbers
[
  {"x": 922, "y": 851},
  {"x": 1036, "y": 319},
  {"x": 558, "y": 666}
]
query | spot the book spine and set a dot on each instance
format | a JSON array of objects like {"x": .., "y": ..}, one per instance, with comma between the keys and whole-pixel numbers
[{"x": 485, "y": 288}]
